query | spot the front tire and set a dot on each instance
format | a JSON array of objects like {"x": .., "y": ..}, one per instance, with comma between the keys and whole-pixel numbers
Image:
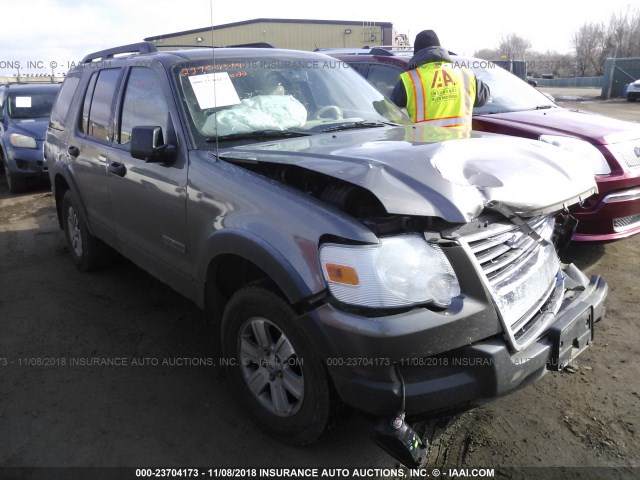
[
  {"x": 15, "y": 185},
  {"x": 274, "y": 369},
  {"x": 87, "y": 251}
]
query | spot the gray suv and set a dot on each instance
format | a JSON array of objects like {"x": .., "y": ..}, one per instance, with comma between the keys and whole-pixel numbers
[{"x": 343, "y": 255}]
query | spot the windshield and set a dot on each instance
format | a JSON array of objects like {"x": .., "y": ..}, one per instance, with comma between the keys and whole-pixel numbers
[
  {"x": 31, "y": 105},
  {"x": 254, "y": 99},
  {"x": 508, "y": 92}
]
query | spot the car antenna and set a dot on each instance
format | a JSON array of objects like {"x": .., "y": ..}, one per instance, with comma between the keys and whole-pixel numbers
[{"x": 213, "y": 59}]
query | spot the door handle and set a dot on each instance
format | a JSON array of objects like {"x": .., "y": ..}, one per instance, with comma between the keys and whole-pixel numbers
[
  {"x": 118, "y": 169},
  {"x": 73, "y": 151}
]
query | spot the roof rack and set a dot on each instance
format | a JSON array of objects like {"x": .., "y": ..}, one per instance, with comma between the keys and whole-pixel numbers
[
  {"x": 142, "y": 47},
  {"x": 366, "y": 50},
  {"x": 252, "y": 45},
  {"x": 380, "y": 51},
  {"x": 21, "y": 83},
  {"x": 199, "y": 45}
]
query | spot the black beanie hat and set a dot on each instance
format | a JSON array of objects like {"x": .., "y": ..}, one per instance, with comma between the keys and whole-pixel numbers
[{"x": 425, "y": 39}]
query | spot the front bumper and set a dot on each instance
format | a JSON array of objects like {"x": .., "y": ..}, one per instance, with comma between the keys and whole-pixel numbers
[
  {"x": 362, "y": 364},
  {"x": 612, "y": 215},
  {"x": 27, "y": 162}
]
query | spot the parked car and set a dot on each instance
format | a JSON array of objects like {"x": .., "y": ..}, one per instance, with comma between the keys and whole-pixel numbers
[
  {"x": 342, "y": 254},
  {"x": 610, "y": 147},
  {"x": 24, "y": 114},
  {"x": 633, "y": 91}
]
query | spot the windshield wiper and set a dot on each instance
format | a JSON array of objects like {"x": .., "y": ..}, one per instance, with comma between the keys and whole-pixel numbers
[
  {"x": 258, "y": 134},
  {"x": 354, "y": 125}
]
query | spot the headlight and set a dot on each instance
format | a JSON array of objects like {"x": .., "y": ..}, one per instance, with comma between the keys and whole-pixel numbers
[
  {"x": 23, "y": 141},
  {"x": 584, "y": 149},
  {"x": 400, "y": 271}
]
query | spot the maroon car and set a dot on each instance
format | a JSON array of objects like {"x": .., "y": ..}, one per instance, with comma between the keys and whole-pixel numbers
[{"x": 610, "y": 147}]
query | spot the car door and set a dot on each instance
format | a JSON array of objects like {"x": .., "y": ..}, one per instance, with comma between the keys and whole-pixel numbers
[
  {"x": 89, "y": 148},
  {"x": 148, "y": 200}
]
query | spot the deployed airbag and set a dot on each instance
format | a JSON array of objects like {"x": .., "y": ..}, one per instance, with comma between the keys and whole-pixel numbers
[{"x": 262, "y": 112}]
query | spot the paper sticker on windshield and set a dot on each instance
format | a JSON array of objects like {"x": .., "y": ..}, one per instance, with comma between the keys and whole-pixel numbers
[
  {"x": 214, "y": 90},
  {"x": 23, "y": 102}
]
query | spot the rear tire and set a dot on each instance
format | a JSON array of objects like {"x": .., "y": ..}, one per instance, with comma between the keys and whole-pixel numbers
[
  {"x": 87, "y": 251},
  {"x": 274, "y": 369}
]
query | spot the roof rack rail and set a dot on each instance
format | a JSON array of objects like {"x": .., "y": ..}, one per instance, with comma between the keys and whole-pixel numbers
[
  {"x": 40, "y": 81},
  {"x": 199, "y": 45},
  {"x": 381, "y": 52},
  {"x": 252, "y": 45},
  {"x": 142, "y": 47}
]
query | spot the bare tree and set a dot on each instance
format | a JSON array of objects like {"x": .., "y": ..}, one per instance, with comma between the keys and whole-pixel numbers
[
  {"x": 589, "y": 46},
  {"x": 558, "y": 64},
  {"x": 616, "y": 41},
  {"x": 635, "y": 34},
  {"x": 487, "y": 54},
  {"x": 622, "y": 35},
  {"x": 514, "y": 47},
  {"x": 594, "y": 42}
]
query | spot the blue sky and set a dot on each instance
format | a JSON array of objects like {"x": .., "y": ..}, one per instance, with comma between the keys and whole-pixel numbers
[{"x": 46, "y": 32}]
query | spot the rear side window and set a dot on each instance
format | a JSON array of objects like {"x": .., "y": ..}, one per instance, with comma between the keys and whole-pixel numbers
[
  {"x": 86, "y": 106},
  {"x": 384, "y": 78},
  {"x": 361, "y": 68},
  {"x": 144, "y": 103},
  {"x": 98, "y": 104},
  {"x": 63, "y": 103}
]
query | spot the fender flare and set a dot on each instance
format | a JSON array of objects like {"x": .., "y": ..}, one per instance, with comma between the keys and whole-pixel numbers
[
  {"x": 246, "y": 245},
  {"x": 64, "y": 171}
]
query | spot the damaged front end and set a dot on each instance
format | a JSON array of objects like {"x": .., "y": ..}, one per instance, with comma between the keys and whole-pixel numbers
[
  {"x": 465, "y": 265},
  {"x": 463, "y": 297},
  {"x": 518, "y": 264}
]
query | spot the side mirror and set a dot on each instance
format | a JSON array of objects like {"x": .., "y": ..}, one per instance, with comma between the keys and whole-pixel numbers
[{"x": 147, "y": 144}]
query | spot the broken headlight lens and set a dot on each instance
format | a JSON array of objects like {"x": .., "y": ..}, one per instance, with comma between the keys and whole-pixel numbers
[
  {"x": 398, "y": 272},
  {"x": 584, "y": 149}
]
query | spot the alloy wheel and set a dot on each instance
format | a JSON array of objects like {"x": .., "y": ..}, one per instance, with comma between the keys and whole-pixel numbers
[{"x": 271, "y": 368}]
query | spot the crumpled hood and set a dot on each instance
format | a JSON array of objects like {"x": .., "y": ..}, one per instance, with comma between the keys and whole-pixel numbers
[
  {"x": 527, "y": 176},
  {"x": 425, "y": 171}
]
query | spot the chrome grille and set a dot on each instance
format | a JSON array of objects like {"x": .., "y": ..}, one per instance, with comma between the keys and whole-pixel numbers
[
  {"x": 627, "y": 152},
  {"x": 623, "y": 224},
  {"x": 502, "y": 253},
  {"x": 521, "y": 273}
]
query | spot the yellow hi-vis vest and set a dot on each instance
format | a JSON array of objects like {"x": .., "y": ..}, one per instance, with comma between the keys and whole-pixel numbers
[{"x": 440, "y": 94}]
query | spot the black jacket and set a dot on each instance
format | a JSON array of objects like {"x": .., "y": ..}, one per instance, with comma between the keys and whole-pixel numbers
[{"x": 429, "y": 55}]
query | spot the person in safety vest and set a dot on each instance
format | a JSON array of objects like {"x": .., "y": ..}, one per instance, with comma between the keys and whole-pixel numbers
[{"x": 435, "y": 90}]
